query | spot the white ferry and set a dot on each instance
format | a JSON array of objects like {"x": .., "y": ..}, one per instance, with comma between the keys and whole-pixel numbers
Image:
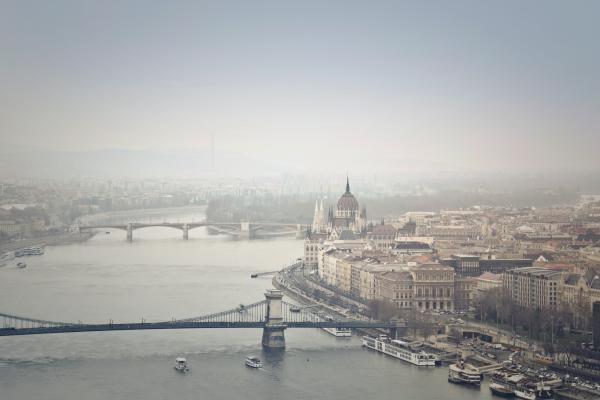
[
  {"x": 29, "y": 251},
  {"x": 181, "y": 364},
  {"x": 501, "y": 389},
  {"x": 253, "y": 362},
  {"x": 339, "y": 332},
  {"x": 400, "y": 349},
  {"x": 464, "y": 374},
  {"x": 525, "y": 393}
]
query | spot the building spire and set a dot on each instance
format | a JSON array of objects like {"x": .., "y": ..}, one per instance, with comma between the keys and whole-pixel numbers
[{"x": 347, "y": 184}]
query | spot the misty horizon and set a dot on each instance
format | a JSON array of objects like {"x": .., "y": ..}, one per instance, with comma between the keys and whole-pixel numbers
[{"x": 300, "y": 88}]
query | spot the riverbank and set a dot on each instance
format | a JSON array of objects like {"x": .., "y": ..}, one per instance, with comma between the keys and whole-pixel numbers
[
  {"x": 284, "y": 284},
  {"x": 47, "y": 240},
  {"x": 284, "y": 281}
]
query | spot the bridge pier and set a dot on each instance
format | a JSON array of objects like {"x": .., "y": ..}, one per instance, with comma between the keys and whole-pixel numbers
[
  {"x": 299, "y": 232},
  {"x": 273, "y": 336},
  {"x": 244, "y": 230},
  {"x": 129, "y": 232},
  {"x": 186, "y": 229}
]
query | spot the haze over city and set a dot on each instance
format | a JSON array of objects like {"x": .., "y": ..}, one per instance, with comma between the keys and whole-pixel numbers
[{"x": 301, "y": 87}]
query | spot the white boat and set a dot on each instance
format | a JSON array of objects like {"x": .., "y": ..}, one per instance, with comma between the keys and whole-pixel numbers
[
  {"x": 253, "y": 362},
  {"x": 544, "y": 391},
  {"x": 181, "y": 364},
  {"x": 337, "y": 332},
  {"x": 400, "y": 349},
  {"x": 526, "y": 394},
  {"x": 464, "y": 374},
  {"x": 29, "y": 251},
  {"x": 501, "y": 389}
]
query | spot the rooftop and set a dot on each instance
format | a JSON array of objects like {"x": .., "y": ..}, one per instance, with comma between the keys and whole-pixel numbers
[{"x": 536, "y": 271}]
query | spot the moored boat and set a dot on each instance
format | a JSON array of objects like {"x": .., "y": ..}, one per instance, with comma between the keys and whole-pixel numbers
[
  {"x": 543, "y": 391},
  {"x": 337, "y": 332},
  {"x": 464, "y": 374},
  {"x": 400, "y": 349},
  {"x": 525, "y": 393},
  {"x": 29, "y": 251},
  {"x": 501, "y": 389}
]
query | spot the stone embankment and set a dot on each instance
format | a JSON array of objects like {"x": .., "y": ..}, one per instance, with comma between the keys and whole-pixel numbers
[{"x": 285, "y": 281}]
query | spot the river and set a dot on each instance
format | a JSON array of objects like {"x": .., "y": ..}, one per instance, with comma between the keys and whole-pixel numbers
[{"x": 159, "y": 276}]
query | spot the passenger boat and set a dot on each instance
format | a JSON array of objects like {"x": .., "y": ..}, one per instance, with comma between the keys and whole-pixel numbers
[
  {"x": 400, "y": 349},
  {"x": 29, "y": 251},
  {"x": 253, "y": 362},
  {"x": 181, "y": 364},
  {"x": 525, "y": 393},
  {"x": 464, "y": 374},
  {"x": 337, "y": 332},
  {"x": 543, "y": 391},
  {"x": 501, "y": 389}
]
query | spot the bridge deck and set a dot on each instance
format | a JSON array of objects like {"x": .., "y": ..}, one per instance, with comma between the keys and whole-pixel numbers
[{"x": 186, "y": 325}]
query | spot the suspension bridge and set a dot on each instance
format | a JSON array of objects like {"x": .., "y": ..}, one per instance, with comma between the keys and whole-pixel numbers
[{"x": 273, "y": 315}]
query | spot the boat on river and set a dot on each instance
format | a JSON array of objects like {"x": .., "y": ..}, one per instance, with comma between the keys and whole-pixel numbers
[
  {"x": 253, "y": 362},
  {"x": 337, "y": 332},
  {"x": 181, "y": 365}
]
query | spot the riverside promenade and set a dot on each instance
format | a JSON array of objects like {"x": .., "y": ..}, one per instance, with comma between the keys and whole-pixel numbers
[{"x": 286, "y": 280}]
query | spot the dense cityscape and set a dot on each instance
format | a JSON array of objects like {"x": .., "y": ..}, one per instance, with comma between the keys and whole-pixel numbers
[{"x": 523, "y": 283}]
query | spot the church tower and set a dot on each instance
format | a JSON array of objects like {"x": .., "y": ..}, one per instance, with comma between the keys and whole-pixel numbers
[
  {"x": 315, "y": 223},
  {"x": 319, "y": 224}
]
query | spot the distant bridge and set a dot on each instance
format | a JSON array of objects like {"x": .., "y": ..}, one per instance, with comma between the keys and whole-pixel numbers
[
  {"x": 273, "y": 315},
  {"x": 243, "y": 229}
]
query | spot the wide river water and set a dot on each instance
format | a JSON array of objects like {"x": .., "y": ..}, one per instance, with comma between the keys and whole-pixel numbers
[{"x": 159, "y": 276}]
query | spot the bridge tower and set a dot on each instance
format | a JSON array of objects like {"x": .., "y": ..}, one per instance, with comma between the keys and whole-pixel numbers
[
  {"x": 185, "y": 229},
  {"x": 299, "y": 232},
  {"x": 245, "y": 229},
  {"x": 273, "y": 331},
  {"x": 129, "y": 232}
]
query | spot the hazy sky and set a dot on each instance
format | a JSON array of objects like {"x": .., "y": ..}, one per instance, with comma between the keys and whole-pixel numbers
[{"x": 344, "y": 85}]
